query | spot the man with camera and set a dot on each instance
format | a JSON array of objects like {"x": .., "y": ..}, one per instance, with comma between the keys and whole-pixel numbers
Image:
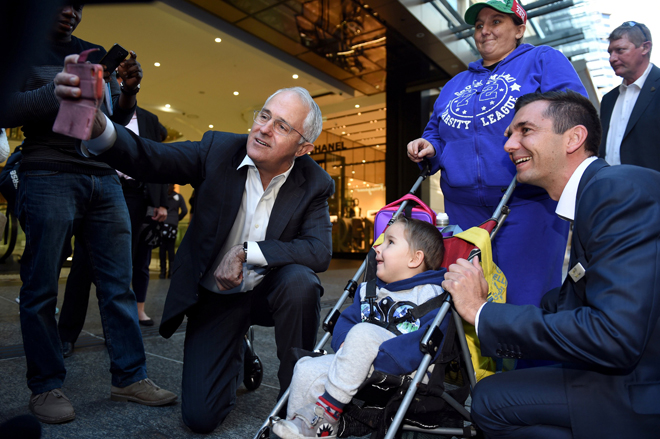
[{"x": 61, "y": 194}]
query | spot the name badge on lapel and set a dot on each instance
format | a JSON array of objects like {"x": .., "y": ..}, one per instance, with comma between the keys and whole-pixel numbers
[{"x": 577, "y": 272}]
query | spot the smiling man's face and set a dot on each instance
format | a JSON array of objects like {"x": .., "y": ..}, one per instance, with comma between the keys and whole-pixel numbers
[
  {"x": 270, "y": 151},
  {"x": 536, "y": 150},
  {"x": 68, "y": 18}
]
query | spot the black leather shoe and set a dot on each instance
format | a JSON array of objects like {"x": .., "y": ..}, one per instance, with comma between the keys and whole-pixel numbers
[
  {"x": 147, "y": 322},
  {"x": 67, "y": 349}
]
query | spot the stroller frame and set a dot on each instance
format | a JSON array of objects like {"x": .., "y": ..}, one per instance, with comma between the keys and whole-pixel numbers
[{"x": 429, "y": 344}]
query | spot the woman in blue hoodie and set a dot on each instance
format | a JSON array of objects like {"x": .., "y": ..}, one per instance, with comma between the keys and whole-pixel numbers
[{"x": 465, "y": 139}]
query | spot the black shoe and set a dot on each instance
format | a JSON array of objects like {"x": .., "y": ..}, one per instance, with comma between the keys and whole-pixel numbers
[
  {"x": 67, "y": 349},
  {"x": 147, "y": 322}
]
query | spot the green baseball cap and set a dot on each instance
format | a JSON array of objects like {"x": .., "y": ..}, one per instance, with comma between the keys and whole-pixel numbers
[{"x": 511, "y": 7}]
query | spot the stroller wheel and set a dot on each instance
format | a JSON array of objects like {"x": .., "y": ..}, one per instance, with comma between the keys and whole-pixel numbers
[{"x": 253, "y": 371}]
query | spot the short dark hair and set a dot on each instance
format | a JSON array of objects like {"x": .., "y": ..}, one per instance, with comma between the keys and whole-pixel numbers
[
  {"x": 568, "y": 109},
  {"x": 425, "y": 237},
  {"x": 637, "y": 33}
]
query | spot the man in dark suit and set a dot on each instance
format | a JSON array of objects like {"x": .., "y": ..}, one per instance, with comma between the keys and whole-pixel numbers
[
  {"x": 602, "y": 324},
  {"x": 261, "y": 230},
  {"x": 630, "y": 113}
]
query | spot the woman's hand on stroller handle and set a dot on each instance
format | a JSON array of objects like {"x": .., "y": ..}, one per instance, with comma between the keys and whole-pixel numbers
[
  {"x": 467, "y": 285},
  {"x": 419, "y": 149}
]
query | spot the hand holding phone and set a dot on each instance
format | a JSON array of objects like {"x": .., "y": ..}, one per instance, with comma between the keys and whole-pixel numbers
[
  {"x": 75, "y": 118},
  {"x": 114, "y": 57}
]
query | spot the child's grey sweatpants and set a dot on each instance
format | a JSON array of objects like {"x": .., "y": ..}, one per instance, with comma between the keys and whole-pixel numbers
[{"x": 341, "y": 374}]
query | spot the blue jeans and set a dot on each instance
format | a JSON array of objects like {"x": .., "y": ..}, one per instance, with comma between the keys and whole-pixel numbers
[{"x": 51, "y": 207}]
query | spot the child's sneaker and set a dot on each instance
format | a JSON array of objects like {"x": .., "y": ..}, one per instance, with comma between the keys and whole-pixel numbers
[{"x": 310, "y": 422}]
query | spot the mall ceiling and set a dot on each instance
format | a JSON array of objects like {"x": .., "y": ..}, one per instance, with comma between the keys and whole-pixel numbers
[{"x": 200, "y": 83}]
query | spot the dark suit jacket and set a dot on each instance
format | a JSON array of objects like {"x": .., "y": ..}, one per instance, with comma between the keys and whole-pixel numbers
[
  {"x": 641, "y": 142},
  {"x": 299, "y": 229},
  {"x": 604, "y": 327}
]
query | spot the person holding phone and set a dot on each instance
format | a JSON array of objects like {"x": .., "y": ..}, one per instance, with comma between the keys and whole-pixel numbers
[{"x": 61, "y": 194}]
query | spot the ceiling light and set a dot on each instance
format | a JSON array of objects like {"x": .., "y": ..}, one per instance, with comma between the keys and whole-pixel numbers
[
  {"x": 364, "y": 161},
  {"x": 357, "y": 105},
  {"x": 235, "y": 93},
  {"x": 217, "y": 40},
  {"x": 295, "y": 76},
  {"x": 359, "y": 114},
  {"x": 157, "y": 64},
  {"x": 210, "y": 126},
  {"x": 167, "y": 105},
  {"x": 343, "y": 132}
]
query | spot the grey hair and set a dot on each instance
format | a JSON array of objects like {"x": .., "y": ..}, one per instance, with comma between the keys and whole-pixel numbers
[
  {"x": 313, "y": 123},
  {"x": 638, "y": 34}
]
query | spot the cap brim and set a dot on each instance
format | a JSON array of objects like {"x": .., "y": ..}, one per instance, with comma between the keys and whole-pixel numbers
[{"x": 472, "y": 12}]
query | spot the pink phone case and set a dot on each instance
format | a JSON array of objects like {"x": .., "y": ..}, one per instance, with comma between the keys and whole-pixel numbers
[{"x": 76, "y": 118}]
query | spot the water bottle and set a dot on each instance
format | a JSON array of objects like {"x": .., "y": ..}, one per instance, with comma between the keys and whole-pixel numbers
[{"x": 441, "y": 220}]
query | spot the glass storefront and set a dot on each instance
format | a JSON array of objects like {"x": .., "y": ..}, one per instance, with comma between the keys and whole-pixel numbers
[{"x": 359, "y": 174}]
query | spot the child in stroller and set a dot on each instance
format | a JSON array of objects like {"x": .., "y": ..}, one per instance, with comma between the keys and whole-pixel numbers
[{"x": 378, "y": 332}]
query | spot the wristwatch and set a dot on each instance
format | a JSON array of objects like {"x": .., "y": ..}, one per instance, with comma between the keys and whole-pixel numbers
[
  {"x": 245, "y": 246},
  {"x": 129, "y": 92}
]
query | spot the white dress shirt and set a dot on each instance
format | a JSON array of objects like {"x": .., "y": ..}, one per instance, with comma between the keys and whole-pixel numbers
[
  {"x": 565, "y": 207},
  {"x": 621, "y": 112},
  {"x": 249, "y": 226}
]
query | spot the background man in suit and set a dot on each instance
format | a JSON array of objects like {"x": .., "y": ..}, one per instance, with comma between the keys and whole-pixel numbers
[
  {"x": 602, "y": 324},
  {"x": 630, "y": 113},
  {"x": 261, "y": 230}
]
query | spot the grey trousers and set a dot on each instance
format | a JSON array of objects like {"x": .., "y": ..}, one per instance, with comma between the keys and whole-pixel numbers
[{"x": 339, "y": 374}]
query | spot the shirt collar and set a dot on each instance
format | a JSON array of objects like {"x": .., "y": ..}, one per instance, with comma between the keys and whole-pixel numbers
[
  {"x": 566, "y": 205},
  {"x": 640, "y": 81},
  {"x": 247, "y": 161}
]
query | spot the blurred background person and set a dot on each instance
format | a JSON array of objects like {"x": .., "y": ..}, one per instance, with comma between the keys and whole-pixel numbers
[
  {"x": 60, "y": 195},
  {"x": 176, "y": 211},
  {"x": 630, "y": 113}
]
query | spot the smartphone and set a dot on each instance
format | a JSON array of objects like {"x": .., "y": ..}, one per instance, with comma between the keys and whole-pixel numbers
[
  {"x": 76, "y": 118},
  {"x": 114, "y": 57}
]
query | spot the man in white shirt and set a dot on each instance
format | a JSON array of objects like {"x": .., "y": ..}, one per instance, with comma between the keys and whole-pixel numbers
[
  {"x": 602, "y": 324},
  {"x": 630, "y": 113},
  {"x": 261, "y": 230}
]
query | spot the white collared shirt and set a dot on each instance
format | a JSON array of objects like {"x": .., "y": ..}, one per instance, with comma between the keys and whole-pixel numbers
[
  {"x": 621, "y": 112},
  {"x": 565, "y": 207},
  {"x": 566, "y": 204},
  {"x": 249, "y": 226}
]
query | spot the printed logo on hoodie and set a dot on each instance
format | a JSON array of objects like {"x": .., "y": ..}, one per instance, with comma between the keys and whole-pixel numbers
[{"x": 493, "y": 102}]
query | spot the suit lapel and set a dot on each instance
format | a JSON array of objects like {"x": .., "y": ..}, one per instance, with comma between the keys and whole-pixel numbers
[
  {"x": 286, "y": 203},
  {"x": 577, "y": 251},
  {"x": 646, "y": 95}
]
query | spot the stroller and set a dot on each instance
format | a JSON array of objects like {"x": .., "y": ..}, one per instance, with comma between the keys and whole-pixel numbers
[{"x": 386, "y": 405}]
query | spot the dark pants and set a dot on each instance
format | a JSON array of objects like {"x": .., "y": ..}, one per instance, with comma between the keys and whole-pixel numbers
[
  {"x": 79, "y": 281},
  {"x": 287, "y": 298},
  {"x": 166, "y": 253},
  {"x": 527, "y": 403},
  {"x": 52, "y": 207}
]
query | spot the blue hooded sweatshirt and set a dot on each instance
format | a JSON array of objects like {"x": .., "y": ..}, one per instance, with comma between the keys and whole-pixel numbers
[
  {"x": 401, "y": 354},
  {"x": 472, "y": 113}
]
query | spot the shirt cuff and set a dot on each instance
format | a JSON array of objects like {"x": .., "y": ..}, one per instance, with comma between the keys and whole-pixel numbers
[
  {"x": 476, "y": 319},
  {"x": 255, "y": 256},
  {"x": 102, "y": 143}
]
